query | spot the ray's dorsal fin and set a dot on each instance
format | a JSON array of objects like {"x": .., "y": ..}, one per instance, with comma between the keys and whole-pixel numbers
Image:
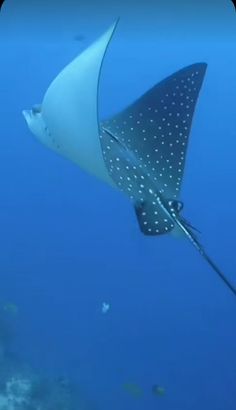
[{"x": 156, "y": 127}]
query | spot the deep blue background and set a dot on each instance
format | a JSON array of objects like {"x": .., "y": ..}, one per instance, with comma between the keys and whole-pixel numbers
[{"x": 68, "y": 242}]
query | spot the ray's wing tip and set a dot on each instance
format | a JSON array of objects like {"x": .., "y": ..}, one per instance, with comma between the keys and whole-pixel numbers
[
  {"x": 202, "y": 66},
  {"x": 112, "y": 28},
  {"x": 115, "y": 23},
  {"x": 117, "y": 20},
  {"x": 199, "y": 68},
  {"x": 195, "y": 68}
]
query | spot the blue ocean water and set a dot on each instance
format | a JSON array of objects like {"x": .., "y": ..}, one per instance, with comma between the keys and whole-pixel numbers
[{"x": 70, "y": 243}]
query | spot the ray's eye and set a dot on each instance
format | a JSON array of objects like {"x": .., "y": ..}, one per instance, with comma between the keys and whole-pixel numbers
[{"x": 36, "y": 109}]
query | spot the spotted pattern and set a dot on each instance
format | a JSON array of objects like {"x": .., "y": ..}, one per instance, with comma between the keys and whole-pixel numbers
[
  {"x": 130, "y": 177},
  {"x": 144, "y": 147}
]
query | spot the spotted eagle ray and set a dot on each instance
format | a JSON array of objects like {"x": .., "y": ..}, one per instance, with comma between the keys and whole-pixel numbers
[{"x": 141, "y": 151}]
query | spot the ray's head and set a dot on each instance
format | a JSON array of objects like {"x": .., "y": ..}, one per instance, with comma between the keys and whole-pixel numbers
[{"x": 36, "y": 123}]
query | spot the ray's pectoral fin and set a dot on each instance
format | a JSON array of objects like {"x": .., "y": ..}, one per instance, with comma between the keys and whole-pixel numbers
[
  {"x": 156, "y": 127},
  {"x": 67, "y": 119}
]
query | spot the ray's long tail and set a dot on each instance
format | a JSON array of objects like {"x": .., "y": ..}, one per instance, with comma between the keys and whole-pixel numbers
[
  {"x": 218, "y": 271},
  {"x": 192, "y": 238}
]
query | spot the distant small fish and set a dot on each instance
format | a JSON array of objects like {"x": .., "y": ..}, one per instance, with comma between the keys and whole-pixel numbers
[
  {"x": 79, "y": 37},
  {"x": 133, "y": 389},
  {"x": 105, "y": 307},
  {"x": 158, "y": 390}
]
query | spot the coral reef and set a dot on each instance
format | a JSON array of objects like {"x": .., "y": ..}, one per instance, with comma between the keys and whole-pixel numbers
[
  {"x": 21, "y": 393},
  {"x": 16, "y": 394},
  {"x": 22, "y": 388}
]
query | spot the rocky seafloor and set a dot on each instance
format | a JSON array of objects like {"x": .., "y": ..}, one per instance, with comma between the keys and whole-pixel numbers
[{"x": 24, "y": 388}]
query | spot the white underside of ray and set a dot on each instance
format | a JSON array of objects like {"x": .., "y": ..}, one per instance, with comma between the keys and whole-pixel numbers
[{"x": 69, "y": 111}]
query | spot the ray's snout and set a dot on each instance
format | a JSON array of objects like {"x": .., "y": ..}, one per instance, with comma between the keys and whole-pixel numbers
[{"x": 26, "y": 115}]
